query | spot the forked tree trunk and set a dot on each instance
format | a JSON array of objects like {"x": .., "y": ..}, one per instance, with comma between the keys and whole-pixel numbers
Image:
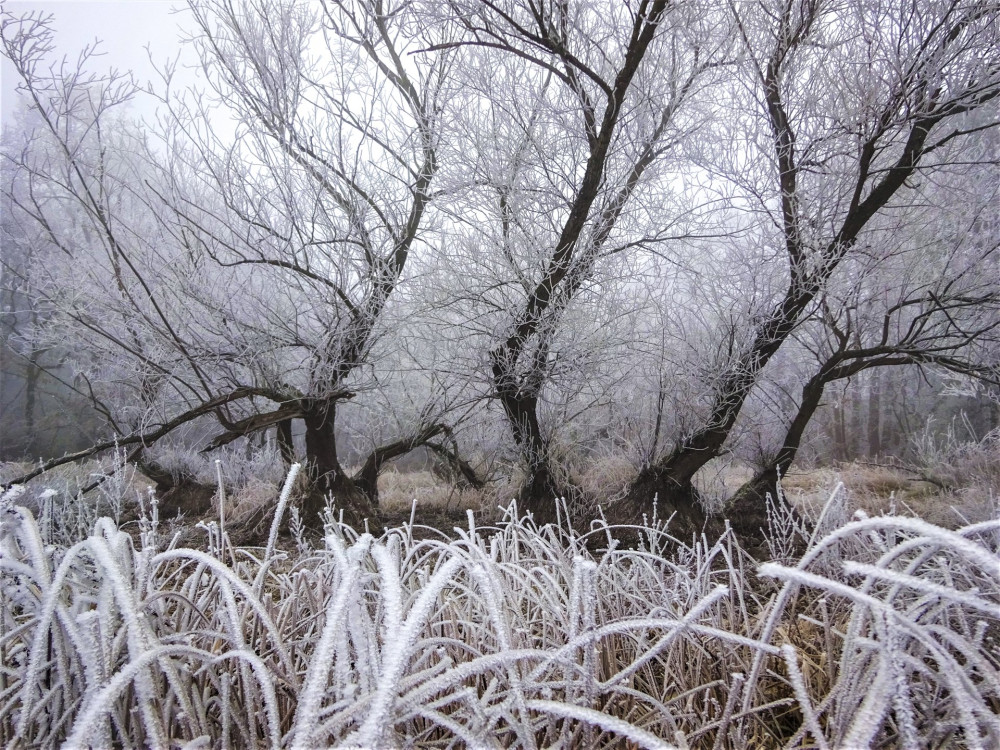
[
  {"x": 366, "y": 480},
  {"x": 674, "y": 474},
  {"x": 568, "y": 264},
  {"x": 670, "y": 480}
]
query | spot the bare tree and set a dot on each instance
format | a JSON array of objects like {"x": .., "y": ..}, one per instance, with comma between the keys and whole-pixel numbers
[
  {"x": 926, "y": 297},
  {"x": 848, "y": 104},
  {"x": 574, "y": 109},
  {"x": 281, "y": 221},
  {"x": 615, "y": 225}
]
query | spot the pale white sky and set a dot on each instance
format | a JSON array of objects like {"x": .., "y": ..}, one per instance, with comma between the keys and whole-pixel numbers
[{"x": 124, "y": 28}]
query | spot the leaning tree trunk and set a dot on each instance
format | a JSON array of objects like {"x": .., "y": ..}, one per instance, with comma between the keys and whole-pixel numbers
[
  {"x": 450, "y": 465},
  {"x": 670, "y": 481},
  {"x": 675, "y": 473}
]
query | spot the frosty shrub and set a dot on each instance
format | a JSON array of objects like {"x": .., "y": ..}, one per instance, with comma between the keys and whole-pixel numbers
[
  {"x": 509, "y": 636},
  {"x": 65, "y": 506}
]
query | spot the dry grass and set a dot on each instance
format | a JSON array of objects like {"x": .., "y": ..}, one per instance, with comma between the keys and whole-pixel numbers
[
  {"x": 249, "y": 498},
  {"x": 880, "y": 490},
  {"x": 69, "y": 478},
  {"x": 398, "y": 489},
  {"x": 606, "y": 477},
  {"x": 884, "y": 633}
]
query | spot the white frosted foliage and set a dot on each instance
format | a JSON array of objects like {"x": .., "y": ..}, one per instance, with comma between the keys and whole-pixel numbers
[{"x": 512, "y": 634}]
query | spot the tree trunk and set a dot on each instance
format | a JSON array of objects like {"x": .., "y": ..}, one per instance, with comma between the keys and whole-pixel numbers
[
  {"x": 671, "y": 499},
  {"x": 875, "y": 414},
  {"x": 676, "y": 471},
  {"x": 747, "y": 509},
  {"x": 812, "y": 395},
  {"x": 366, "y": 480},
  {"x": 286, "y": 445},
  {"x": 540, "y": 489},
  {"x": 671, "y": 478},
  {"x": 856, "y": 425},
  {"x": 328, "y": 477}
]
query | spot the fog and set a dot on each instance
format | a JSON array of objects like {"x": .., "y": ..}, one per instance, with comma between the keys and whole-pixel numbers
[{"x": 130, "y": 35}]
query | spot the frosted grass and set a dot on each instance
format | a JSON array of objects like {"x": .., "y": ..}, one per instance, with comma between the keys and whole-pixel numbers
[{"x": 884, "y": 632}]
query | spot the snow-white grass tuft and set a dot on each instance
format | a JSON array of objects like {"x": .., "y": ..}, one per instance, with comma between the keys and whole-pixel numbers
[{"x": 883, "y": 633}]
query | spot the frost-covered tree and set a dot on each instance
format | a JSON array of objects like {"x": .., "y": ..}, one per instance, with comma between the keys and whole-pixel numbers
[
  {"x": 653, "y": 226},
  {"x": 922, "y": 293},
  {"x": 241, "y": 266},
  {"x": 573, "y": 114},
  {"x": 840, "y": 109}
]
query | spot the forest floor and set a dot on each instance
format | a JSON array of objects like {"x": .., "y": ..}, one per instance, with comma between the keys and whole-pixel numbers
[{"x": 876, "y": 488}]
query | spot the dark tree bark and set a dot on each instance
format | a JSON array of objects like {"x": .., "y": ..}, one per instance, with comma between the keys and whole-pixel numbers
[
  {"x": 678, "y": 502},
  {"x": 519, "y": 363},
  {"x": 841, "y": 438},
  {"x": 328, "y": 478},
  {"x": 372, "y": 213},
  {"x": 540, "y": 489},
  {"x": 286, "y": 445},
  {"x": 747, "y": 509},
  {"x": 366, "y": 480}
]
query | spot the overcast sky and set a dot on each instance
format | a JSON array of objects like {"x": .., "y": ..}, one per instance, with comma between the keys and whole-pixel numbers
[{"x": 124, "y": 28}]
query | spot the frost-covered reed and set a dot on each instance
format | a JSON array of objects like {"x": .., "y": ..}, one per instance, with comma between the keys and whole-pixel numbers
[{"x": 883, "y": 633}]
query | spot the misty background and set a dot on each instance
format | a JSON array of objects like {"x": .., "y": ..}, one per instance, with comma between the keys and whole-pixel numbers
[{"x": 39, "y": 415}]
